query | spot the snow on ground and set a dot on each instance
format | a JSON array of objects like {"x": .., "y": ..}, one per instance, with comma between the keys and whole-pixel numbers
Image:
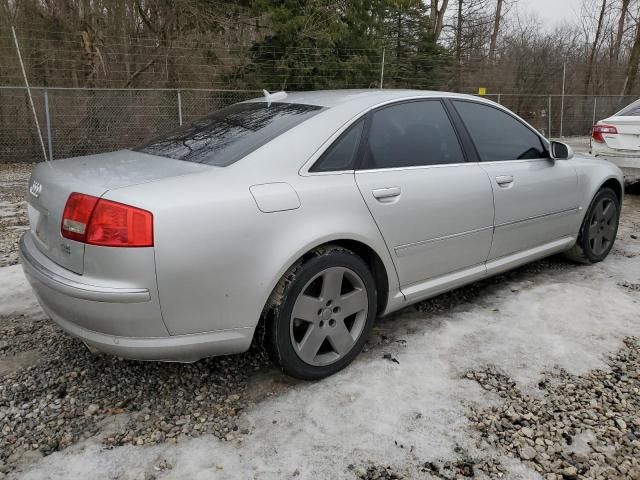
[
  {"x": 16, "y": 296},
  {"x": 398, "y": 414}
]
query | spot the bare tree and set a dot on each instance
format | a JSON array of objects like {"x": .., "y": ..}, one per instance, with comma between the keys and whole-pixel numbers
[
  {"x": 621, "y": 21},
  {"x": 437, "y": 17},
  {"x": 594, "y": 46},
  {"x": 496, "y": 29},
  {"x": 634, "y": 61}
]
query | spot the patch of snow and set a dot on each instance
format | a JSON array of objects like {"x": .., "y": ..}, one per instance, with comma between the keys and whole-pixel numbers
[
  {"x": 8, "y": 209},
  {"x": 16, "y": 295},
  {"x": 569, "y": 319}
]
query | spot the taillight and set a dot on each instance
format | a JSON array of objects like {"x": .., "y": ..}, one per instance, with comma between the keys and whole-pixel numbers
[
  {"x": 105, "y": 223},
  {"x": 77, "y": 213},
  {"x": 598, "y": 130}
]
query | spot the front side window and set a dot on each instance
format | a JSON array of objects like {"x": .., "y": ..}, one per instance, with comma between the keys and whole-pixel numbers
[
  {"x": 412, "y": 134},
  {"x": 497, "y": 135},
  {"x": 231, "y": 133}
]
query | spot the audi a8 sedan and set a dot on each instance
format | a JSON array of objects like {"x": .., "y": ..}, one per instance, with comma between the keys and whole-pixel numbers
[{"x": 299, "y": 218}]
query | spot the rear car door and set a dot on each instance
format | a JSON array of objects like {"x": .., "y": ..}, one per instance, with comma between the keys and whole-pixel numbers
[
  {"x": 434, "y": 210},
  {"x": 536, "y": 198}
]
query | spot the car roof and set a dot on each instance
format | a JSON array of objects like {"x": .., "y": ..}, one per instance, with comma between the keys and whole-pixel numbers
[{"x": 333, "y": 98}]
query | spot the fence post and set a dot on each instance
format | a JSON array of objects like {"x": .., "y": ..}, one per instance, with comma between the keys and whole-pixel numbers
[
  {"x": 47, "y": 120},
  {"x": 179, "y": 108},
  {"x": 564, "y": 75},
  {"x": 499, "y": 98},
  {"x": 595, "y": 106},
  {"x": 549, "y": 117},
  {"x": 382, "y": 68}
]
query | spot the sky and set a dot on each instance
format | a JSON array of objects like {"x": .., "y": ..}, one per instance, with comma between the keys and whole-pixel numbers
[{"x": 553, "y": 11}]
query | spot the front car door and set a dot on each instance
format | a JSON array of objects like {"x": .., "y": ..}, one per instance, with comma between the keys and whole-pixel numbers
[
  {"x": 536, "y": 198},
  {"x": 434, "y": 210}
]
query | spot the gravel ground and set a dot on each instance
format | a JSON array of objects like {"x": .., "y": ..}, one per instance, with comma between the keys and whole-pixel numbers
[
  {"x": 583, "y": 426},
  {"x": 13, "y": 214},
  {"x": 56, "y": 397}
]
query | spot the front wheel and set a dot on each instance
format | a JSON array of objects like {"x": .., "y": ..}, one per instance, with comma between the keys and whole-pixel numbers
[
  {"x": 322, "y": 311},
  {"x": 598, "y": 230}
]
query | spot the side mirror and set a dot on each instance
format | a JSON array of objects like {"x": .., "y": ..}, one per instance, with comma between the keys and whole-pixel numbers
[{"x": 561, "y": 151}]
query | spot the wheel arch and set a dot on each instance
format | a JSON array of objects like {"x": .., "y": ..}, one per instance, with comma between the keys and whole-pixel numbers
[
  {"x": 360, "y": 247},
  {"x": 381, "y": 274},
  {"x": 615, "y": 185}
]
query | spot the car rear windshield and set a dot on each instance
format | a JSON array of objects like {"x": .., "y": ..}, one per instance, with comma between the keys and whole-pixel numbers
[
  {"x": 229, "y": 134},
  {"x": 632, "y": 110}
]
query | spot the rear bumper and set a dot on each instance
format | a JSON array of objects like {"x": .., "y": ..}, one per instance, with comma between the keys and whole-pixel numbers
[
  {"x": 119, "y": 320},
  {"x": 630, "y": 165},
  {"x": 179, "y": 348}
]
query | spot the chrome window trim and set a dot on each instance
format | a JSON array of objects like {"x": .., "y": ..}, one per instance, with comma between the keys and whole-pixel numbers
[
  {"x": 417, "y": 167},
  {"x": 304, "y": 170}
]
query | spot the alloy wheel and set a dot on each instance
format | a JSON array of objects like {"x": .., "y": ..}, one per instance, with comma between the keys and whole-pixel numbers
[
  {"x": 602, "y": 226},
  {"x": 329, "y": 316}
]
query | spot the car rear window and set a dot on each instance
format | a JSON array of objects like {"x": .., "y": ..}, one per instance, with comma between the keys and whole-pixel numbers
[
  {"x": 632, "y": 110},
  {"x": 231, "y": 133}
]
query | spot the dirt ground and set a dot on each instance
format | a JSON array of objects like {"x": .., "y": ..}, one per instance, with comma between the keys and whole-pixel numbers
[{"x": 532, "y": 374}]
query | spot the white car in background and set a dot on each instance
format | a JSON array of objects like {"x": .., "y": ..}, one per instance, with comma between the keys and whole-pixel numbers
[{"x": 617, "y": 139}]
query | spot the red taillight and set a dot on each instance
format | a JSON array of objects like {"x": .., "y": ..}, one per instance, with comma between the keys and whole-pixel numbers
[
  {"x": 598, "y": 130},
  {"x": 117, "y": 225},
  {"x": 77, "y": 213},
  {"x": 105, "y": 223}
]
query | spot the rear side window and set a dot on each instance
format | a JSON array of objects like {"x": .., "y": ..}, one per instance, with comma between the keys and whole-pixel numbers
[
  {"x": 632, "y": 110},
  {"x": 497, "y": 135},
  {"x": 231, "y": 133},
  {"x": 412, "y": 134},
  {"x": 341, "y": 155}
]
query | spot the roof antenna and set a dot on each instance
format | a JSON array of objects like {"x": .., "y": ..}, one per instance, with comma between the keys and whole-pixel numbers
[
  {"x": 33, "y": 108},
  {"x": 273, "y": 97}
]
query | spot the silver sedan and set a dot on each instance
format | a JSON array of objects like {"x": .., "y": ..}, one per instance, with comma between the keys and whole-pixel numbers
[{"x": 298, "y": 219}]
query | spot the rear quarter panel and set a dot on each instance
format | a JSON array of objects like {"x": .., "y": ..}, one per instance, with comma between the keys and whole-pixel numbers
[{"x": 218, "y": 257}]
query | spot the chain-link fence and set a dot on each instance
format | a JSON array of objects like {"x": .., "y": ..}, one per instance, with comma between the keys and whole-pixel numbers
[
  {"x": 83, "y": 121},
  {"x": 559, "y": 116}
]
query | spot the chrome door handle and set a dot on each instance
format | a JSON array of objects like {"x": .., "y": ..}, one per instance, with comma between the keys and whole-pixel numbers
[
  {"x": 382, "y": 193},
  {"x": 504, "y": 180}
]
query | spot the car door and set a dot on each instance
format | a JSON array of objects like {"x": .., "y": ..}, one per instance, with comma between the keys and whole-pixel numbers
[
  {"x": 536, "y": 198},
  {"x": 434, "y": 210}
]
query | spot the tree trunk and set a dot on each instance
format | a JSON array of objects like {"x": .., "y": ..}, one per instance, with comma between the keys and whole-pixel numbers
[
  {"x": 459, "y": 46},
  {"x": 440, "y": 21},
  {"x": 594, "y": 47},
  {"x": 634, "y": 60},
  {"x": 437, "y": 18},
  {"x": 496, "y": 29},
  {"x": 620, "y": 32}
]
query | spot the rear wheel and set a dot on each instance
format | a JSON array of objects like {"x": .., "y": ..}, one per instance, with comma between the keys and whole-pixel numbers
[
  {"x": 321, "y": 313},
  {"x": 599, "y": 228}
]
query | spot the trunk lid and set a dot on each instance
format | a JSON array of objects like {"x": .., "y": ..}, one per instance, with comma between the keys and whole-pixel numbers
[
  {"x": 51, "y": 184},
  {"x": 628, "y": 136}
]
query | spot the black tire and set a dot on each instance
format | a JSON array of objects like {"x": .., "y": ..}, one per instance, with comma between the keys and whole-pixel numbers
[
  {"x": 281, "y": 325},
  {"x": 585, "y": 251}
]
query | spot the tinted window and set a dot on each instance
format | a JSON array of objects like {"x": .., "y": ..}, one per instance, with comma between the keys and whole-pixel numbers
[
  {"x": 412, "y": 134},
  {"x": 229, "y": 134},
  {"x": 497, "y": 135},
  {"x": 341, "y": 154},
  {"x": 632, "y": 110}
]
